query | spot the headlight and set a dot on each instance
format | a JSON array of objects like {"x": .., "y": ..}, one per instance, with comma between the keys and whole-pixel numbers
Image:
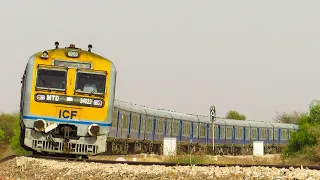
[
  {"x": 73, "y": 53},
  {"x": 44, "y": 55},
  {"x": 94, "y": 129},
  {"x": 40, "y": 125}
]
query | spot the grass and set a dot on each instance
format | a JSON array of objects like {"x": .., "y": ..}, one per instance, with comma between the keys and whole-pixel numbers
[{"x": 9, "y": 135}]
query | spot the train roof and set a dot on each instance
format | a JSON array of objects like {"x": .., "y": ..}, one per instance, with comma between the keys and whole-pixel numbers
[
  {"x": 198, "y": 118},
  {"x": 129, "y": 107},
  {"x": 260, "y": 124},
  {"x": 156, "y": 112},
  {"x": 181, "y": 116},
  {"x": 206, "y": 119},
  {"x": 232, "y": 122},
  {"x": 282, "y": 125}
]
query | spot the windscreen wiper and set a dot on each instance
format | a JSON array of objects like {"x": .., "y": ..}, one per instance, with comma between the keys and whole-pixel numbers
[
  {"x": 95, "y": 89},
  {"x": 44, "y": 83}
]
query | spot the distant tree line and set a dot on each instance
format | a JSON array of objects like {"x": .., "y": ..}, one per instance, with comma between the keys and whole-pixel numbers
[{"x": 283, "y": 117}]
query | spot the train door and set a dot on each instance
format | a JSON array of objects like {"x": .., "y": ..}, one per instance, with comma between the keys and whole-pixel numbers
[{"x": 114, "y": 124}]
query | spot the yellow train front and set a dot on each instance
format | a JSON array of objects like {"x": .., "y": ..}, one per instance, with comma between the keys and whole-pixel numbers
[{"x": 67, "y": 97}]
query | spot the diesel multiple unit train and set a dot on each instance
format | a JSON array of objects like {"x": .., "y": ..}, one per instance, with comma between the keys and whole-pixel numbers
[
  {"x": 138, "y": 128},
  {"x": 67, "y": 96},
  {"x": 68, "y": 106}
]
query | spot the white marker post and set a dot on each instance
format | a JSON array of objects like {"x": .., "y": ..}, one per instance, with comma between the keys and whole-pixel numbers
[{"x": 213, "y": 118}]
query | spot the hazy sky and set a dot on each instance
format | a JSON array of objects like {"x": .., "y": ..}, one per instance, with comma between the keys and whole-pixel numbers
[{"x": 252, "y": 56}]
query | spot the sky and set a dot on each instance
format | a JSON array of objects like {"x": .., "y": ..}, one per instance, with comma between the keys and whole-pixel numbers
[{"x": 256, "y": 57}]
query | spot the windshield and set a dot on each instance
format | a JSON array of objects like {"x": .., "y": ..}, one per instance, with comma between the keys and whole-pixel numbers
[
  {"x": 51, "y": 79},
  {"x": 91, "y": 83}
]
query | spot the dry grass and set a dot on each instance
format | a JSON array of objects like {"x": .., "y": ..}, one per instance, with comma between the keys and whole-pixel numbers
[{"x": 6, "y": 151}]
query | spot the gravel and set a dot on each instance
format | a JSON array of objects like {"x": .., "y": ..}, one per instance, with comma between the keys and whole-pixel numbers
[{"x": 50, "y": 169}]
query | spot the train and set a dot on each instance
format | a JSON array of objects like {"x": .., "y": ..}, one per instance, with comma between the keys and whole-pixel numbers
[
  {"x": 66, "y": 102},
  {"x": 68, "y": 106},
  {"x": 137, "y": 129}
]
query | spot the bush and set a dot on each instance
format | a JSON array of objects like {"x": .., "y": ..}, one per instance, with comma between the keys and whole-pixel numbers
[
  {"x": 306, "y": 141},
  {"x": 6, "y": 125},
  {"x": 2, "y": 136},
  {"x": 10, "y": 132}
]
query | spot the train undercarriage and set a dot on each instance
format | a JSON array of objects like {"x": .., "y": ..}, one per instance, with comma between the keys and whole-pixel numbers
[{"x": 123, "y": 146}]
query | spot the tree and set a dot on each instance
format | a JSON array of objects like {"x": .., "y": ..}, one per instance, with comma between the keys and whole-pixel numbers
[
  {"x": 291, "y": 118},
  {"x": 308, "y": 134},
  {"x": 232, "y": 114}
]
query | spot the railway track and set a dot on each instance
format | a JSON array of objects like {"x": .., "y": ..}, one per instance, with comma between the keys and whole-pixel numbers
[{"x": 153, "y": 163}]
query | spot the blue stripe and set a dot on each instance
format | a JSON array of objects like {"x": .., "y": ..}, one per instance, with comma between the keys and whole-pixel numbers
[{"x": 65, "y": 121}]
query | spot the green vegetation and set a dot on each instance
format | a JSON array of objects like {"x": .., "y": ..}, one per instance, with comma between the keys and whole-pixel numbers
[
  {"x": 232, "y": 114},
  {"x": 186, "y": 159},
  {"x": 292, "y": 118},
  {"x": 305, "y": 143},
  {"x": 9, "y": 133}
]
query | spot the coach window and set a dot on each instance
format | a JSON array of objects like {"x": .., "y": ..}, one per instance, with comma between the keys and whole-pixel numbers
[
  {"x": 215, "y": 131},
  {"x": 202, "y": 130},
  {"x": 89, "y": 82},
  {"x": 51, "y": 79}
]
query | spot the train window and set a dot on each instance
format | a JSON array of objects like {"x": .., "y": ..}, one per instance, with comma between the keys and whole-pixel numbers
[
  {"x": 229, "y": 132},
  {"x": 215, "y": 131},
  {"x": 271, "y": 134},
  {"x": 160, "y": 125},
  {"x": 276, "y": 134},
  {"x": 186, "y": 128},
  {"x": 125, "y": 121},
  {"x": 202, "y": 130},
  {"x": 222, "y": 132},
  {"x": 254, "y": 133},
  {"x": 175, "y": 128},
  {"x": 149, "y": 123},
  {"x": 210, "y": 131},
  {"x": 247, "y": 133},
  {"x": 168, "y": 127},
  {"x": 90, "y": 83},
  {"x": 239, "y": 132},
  {"x": 263, "y": 133},
  {"x": 51, "y": 79},
  {"x": 134, "y": 121},
  {"x": 195, "y": 130},
  {"x": 283, "y": 134}
]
